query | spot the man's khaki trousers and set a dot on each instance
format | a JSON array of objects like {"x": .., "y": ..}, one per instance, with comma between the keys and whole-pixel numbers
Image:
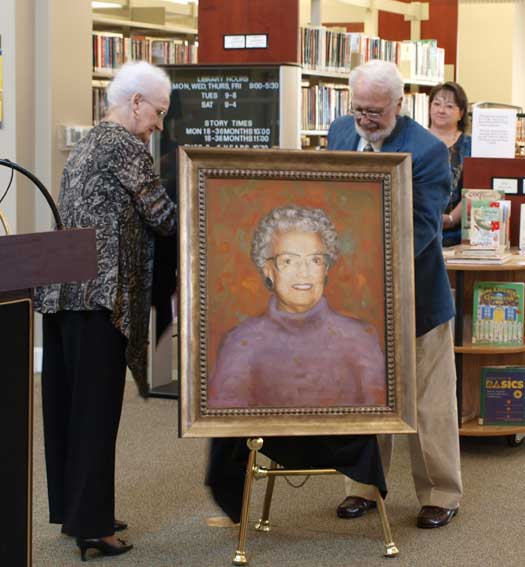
[{"x": 434, "y": 450}]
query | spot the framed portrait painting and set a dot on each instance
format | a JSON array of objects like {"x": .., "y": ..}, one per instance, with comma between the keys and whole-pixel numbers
[{"x": 296, "y": 293}]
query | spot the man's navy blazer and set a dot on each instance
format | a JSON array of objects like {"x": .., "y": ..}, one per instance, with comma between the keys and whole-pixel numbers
[{"x": 430, "y": 194}]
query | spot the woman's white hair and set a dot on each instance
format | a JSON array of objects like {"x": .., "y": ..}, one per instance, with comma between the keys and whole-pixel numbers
[
  {"x": 136, "y": 77},
  {"x": 286, "y": 219},
  {"x": 383, "y": 74}
]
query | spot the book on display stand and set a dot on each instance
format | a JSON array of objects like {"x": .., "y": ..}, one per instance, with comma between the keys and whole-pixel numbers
[{"x": 497, "y": 315}]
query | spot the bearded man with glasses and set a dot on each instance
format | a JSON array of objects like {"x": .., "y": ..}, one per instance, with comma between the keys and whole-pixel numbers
[{"x": 375, "y": 125}]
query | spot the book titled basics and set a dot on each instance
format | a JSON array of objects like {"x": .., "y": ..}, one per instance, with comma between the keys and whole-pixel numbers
[{"x": 502, "y": 400}]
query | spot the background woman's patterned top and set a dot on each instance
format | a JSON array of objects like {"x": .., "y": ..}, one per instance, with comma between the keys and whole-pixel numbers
[
  {"x": 457, "y": 153},
  {"x": 109, "y": 183}
]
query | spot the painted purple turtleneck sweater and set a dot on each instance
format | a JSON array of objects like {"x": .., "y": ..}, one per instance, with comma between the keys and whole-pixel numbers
[{"x": 319, "y": 358}]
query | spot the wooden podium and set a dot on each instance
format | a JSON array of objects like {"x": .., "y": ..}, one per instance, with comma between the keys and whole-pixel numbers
[{"x": 27, "y": 261}]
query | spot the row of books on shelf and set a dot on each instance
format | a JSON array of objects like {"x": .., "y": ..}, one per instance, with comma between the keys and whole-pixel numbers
[
  {"x": 502, "y": 392},
  {"x": 322, "y": 102},
  {"x": 416, "y": 105},
  {"x": 111, "y": 50},
  {"x": 323, "y": 49}
]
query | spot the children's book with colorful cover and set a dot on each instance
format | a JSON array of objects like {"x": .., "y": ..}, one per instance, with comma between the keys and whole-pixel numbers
[
  {"x": 497, "y": 316},
  {"x": 467, "y": 196},
  {"x": 489, "y": 224}
]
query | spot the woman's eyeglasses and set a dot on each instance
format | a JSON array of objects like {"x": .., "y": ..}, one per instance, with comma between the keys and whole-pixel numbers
[{"x": 160, "y": 113}]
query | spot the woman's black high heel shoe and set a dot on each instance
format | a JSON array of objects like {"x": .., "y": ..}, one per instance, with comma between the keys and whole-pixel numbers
[{"x": 104, "y": 547}]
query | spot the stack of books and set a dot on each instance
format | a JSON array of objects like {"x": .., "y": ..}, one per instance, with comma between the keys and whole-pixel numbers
[{"x": 466, "y": 254}]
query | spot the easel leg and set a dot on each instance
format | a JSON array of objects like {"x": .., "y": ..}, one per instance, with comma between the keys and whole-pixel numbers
[
  {"x": 263, "y": 525},
  {"x": 240, "y": 555},
  {"x": 391, "y": 549}
]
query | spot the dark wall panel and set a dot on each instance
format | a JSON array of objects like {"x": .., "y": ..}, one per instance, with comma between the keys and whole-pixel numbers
[
  {"x": 277, "y": 18},
  {"x": 441, "y": 25}
]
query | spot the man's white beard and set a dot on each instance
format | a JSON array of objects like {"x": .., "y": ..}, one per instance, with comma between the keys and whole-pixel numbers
[{"x": 376, "y": 135}]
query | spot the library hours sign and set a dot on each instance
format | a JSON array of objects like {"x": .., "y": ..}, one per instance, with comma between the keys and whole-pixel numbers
[{"x": 231, "y": 107}]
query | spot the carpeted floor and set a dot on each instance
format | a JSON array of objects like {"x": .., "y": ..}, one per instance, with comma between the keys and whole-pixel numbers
[{"x": 160, "y": 492}]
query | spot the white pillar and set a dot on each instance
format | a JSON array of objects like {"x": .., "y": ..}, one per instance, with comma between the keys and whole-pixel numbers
[
  {"x": 17, "y": 132},
  {"x": 63, "y": 86},
  {"x": 518, "y": 62}
]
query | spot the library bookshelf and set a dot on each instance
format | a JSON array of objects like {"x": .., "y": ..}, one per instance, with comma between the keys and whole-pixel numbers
[
  {"x": 471, "y": 358},
  {"x": 118, "y": 40},
  {"x": 328, "y": 56},
  {"x": 332, "y": 87}
]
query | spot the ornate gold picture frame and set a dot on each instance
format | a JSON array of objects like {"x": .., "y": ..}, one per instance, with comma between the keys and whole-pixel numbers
[{"x": 302, "y": 330}]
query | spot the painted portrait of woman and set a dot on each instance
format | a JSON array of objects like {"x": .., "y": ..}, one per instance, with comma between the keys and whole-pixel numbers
[{"x": 299, "y": 352}]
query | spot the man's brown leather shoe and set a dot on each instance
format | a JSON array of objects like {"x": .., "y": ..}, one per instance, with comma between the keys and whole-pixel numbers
[
  {"x": 434, "y": 516},
  {"x": 354, "y": 506}
]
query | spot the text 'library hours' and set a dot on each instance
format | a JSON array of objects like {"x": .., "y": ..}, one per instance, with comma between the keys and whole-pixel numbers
[{"x": 223, "y": 91}]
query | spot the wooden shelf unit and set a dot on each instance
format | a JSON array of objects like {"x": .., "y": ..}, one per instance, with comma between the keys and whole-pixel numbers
[
  {"x": 470, "y": 358},
  {"x": 474, "y": 429}
]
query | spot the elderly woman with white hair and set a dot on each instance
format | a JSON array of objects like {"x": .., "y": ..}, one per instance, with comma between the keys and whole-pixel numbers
[
  {"x": 300, "y": 352},
  {"x": 92, "y": 330}
]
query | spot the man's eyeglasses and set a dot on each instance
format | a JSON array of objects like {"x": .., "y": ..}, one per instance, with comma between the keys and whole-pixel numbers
[
  {"x": 160, "y": 113},
  {"x": 289, "y": 261},
  {"x": 368, "y": 113}
]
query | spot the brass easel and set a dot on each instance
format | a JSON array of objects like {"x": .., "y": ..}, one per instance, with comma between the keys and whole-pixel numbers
[
  {"x": 254, "y": 471},
  {"x": 3, "y": 222}
]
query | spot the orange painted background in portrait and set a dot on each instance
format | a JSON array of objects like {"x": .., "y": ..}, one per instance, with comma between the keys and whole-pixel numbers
[{"x": 235, "y": 289}]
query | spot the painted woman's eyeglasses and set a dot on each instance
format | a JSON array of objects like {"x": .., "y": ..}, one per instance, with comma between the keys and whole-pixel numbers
[{"x": 289, "y": 261}]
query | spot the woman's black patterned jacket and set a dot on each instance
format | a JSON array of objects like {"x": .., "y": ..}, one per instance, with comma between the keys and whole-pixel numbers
[{"x": 109, "y": 183}]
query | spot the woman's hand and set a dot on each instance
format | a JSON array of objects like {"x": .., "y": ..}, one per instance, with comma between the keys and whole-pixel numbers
[{"x": 448, "y": 221}]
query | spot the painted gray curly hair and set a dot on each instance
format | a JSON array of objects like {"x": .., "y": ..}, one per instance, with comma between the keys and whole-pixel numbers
[{"x": 293, "y": 217}]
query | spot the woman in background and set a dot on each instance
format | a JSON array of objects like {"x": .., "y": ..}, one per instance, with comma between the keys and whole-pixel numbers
[
  {"x": 448, "y": 121},
  {"x": 92, "y": 330}
]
